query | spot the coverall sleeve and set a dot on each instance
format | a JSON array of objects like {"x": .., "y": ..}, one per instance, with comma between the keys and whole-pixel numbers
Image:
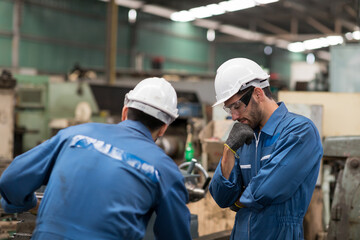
[
  {"x": 297, "y": 154},
  {"x": 25, "y": 174},
  {"x": 172, "y": 215},
  {"x": 226, "y": 191}
]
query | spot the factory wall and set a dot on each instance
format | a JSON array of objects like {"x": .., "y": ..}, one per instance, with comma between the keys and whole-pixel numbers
[{"x": 57, "y": 34}]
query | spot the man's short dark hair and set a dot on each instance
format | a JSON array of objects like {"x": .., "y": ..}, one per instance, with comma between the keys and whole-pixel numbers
[{"x": 149, "y": 121}]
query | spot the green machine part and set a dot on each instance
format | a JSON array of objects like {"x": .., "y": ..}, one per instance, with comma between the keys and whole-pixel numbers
[
  {"x": 41, "y": 100},
  {"x": 31, "y": 109}
]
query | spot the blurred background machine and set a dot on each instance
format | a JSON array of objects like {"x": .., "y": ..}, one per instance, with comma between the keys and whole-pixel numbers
[
  {"x": 7, "y": 96},
  {"x": 342, "y": 187},
  {"x": 45, "y": 105}
]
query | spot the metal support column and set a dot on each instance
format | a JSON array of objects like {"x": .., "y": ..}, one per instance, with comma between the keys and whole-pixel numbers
[
  {"x": 16, "y": 34},
  {"x": 112, "y": 25}
]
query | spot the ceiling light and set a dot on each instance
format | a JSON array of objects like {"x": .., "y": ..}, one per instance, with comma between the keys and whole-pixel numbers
[
  {"x": 210, "y": 35},
  {"x": 349, "y": 36},
  {"x": 356, "y": 35},
  {"x": 316, "y": 43},
  {"x": 265, "y": 1},
  {"x": 128, "y": 3},
  {"x": 215, "y": 9},
  {"x": 132, "y": 15},
  {"x": 268, "y": 50},
  {"x": 334, "y": 40},
  {"x": 310, "y": 58},
  {"x": 200, "y": 12},
  {"x": 235, "y": 5},
  {"x": 296, "y": 47},
  {"x": 182, "y": 16}
]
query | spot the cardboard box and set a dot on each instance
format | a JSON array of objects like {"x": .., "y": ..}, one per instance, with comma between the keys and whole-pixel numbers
[{"x": 212, "y": 138}]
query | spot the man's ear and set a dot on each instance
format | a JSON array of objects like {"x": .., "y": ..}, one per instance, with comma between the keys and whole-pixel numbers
[
  {"x": 259, "y": 94},
  {"x": 162, "y": 130},
  {"x": 124, "y": 113}
]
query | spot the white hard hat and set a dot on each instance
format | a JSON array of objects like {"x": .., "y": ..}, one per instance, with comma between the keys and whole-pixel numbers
[
  {"x": 156, "y": 97},
  {"x": 238, "y": 74}
]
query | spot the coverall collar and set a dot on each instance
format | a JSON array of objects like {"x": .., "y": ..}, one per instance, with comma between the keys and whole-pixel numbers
[
  {"x": 275, "y": 119},
  {"x": 138, "y": 126}
]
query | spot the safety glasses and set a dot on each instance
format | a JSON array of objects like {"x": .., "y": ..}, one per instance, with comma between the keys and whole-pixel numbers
[{"x": 241, "y": 104}]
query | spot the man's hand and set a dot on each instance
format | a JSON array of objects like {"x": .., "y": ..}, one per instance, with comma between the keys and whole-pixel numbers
[
  {"x": 236, "y": 206},
  {"x": 239, "y": 135}
]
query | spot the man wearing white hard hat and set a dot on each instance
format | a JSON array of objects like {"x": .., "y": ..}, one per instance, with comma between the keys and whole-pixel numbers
[
  {"x": 271, "y": 158},
  {"x": 104, "y": 181}
]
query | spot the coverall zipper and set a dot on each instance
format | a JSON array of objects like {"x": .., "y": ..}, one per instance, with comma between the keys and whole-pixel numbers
[{"x": 257, "y": 143}]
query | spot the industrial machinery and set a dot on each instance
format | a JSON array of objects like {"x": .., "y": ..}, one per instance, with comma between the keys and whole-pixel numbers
[
  {"x": 43, "y": 103},
  {"x": 7, "y": 97},
  {"x": 342, "y": 176}
]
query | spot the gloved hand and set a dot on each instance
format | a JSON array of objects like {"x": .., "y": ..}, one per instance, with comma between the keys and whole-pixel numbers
[
  {"x": 236, "y": 206},
  {"x": 239, "y": 135}
]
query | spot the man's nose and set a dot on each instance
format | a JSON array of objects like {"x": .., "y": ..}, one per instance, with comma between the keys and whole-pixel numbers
[{"x": 235, "y": 115}]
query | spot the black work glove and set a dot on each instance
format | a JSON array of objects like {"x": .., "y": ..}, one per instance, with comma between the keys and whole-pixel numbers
[{"x": 239, "y": 135}]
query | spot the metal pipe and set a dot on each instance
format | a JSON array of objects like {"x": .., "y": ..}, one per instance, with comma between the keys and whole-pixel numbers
[
  {"x": 112, "y": 17},
  {"x": 16, "y": 34}
]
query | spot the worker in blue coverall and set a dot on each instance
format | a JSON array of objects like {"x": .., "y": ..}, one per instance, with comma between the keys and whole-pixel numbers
[
  {"x": 104, "y": 181},
  {"x": 271, "y": 158}
]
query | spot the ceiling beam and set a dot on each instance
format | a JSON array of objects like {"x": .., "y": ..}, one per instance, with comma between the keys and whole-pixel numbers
[
  {"x": 271, "y": 27},
  {"x": 351, "y": 11},
  {"x": 318, "y": 25},
  {"x": 349, "y": 25}
]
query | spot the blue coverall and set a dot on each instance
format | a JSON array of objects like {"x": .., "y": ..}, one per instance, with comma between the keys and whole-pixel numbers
[
  {"x": 104, "y": 181},
  {"x": 274, "y": 177}
]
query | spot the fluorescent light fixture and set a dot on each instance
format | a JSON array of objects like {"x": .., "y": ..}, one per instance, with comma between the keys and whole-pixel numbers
[
  {"x": 158, "y": 11},
  {"x": 182, "y": 16},
  {"x": 296, "y": 47},
  {"x": 334, "y": 40},
  {"x": 128, "y": 3},
  {"x": 265, "y": 1},
  {"x": 236, "y": 5},
  {"x": 268, "y": 50},
  {"x": 200, "y": 12},
  {"x": 310, "y": 58},
  {"x": 349, "y": 36},
  {"x": 356, "y": 35},
  {"x": 316, "y": 43},
  {"x": 215, "y": 9},
  {"x": 210, "y": 35},
  {"x": 132, "y": 15}
]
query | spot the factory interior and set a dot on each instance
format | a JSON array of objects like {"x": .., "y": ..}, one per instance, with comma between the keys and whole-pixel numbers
[{"x": 69, "y": 62}]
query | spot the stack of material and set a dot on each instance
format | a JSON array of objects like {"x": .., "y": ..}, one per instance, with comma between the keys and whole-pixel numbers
[
  {"x": 7, "y": 228},
  {"x": 7, "y": 224}
]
